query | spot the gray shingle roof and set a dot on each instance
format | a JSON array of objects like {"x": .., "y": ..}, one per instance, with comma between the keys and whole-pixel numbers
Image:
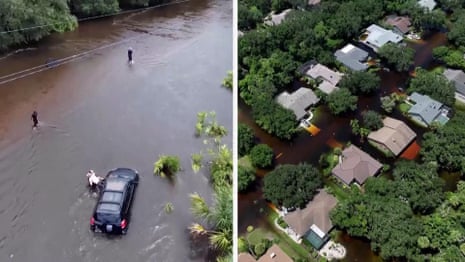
[
  {"x": 378, "y": 36},
  {"x": 458, "y": 78},
  {"x": 298, "y": 101},
  {"x": 329, "y": 77},
  {"x": 352, "y": 57},
  {"x": 425, "y": 107}
]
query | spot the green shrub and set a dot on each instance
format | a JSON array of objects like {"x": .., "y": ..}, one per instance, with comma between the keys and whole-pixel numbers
[{"x": 167, "y": 166}]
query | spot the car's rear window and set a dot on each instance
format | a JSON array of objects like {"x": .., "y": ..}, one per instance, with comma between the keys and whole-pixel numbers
[
  {"x": 112, "y": 197},
  {"x": 108, "y": 208}
]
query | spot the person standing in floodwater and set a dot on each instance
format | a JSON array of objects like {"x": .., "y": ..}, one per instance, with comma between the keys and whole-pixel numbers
[
  {"x": 35, "y": 119},
  {"x": 130, "y": 51}
]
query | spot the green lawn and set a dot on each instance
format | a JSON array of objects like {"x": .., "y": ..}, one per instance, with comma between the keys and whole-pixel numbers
[
  {"x": 334, "y": 188},
  {"x": 288, "y": 245},
  {"x": 404, "y": 107}
]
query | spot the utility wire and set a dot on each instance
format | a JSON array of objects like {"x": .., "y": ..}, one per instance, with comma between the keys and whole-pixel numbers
[
  {"x": 58, "y": 62},
  {"x": 94, "y": 17}
]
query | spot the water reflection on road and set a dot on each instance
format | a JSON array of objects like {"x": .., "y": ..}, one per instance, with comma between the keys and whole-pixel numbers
[{"x": 100, "y": 113}]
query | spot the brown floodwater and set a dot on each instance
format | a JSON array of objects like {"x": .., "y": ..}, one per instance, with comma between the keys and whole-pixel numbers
[
  {"x": 334, "y": 132},
  {"x": 100, "y": 113}
]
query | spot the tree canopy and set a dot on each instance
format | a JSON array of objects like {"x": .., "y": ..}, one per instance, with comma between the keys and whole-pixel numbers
[
  {"x": 245, "y": 177},
  {"x": 400, "y": 57},
  {"x": 261, "y": 156},
  {"x": 372, "y": 120},
  {"x": 434, "y": 85},
  {"x": 360, "y": 82},
  {"x": 292, "y": 186},
  {"x": 341, "y": 100},
  {"x": 245, "y": 139},
  {"x": 445, "y": 145}
]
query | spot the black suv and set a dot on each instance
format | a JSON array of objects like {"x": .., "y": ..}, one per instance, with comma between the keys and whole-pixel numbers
[{"x": 112, "y": 212}]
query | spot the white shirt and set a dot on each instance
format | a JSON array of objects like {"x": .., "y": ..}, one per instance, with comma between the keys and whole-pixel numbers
[{"x": 94, "y": 179}]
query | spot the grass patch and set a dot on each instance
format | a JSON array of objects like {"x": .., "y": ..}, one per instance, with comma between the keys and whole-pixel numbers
[
  {"x": 386, "y": 152},
  {"x": 328, "y": 162},
  {"x": 289, "y": 246},
  {"x": 341, "y": 192},
  {"x": 404, "y": 107},
  {"x": 459, "y": 105}
]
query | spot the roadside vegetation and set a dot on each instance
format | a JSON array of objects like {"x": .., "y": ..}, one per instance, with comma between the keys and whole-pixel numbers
[
  {"x": 43, "y": 17},
  {"x": 215, "y": 221}
]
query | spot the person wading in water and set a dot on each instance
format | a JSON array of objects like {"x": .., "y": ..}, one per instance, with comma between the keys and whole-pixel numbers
[
  {"x": 35, "y": 119},
  {"x": 130, "y": 51}
]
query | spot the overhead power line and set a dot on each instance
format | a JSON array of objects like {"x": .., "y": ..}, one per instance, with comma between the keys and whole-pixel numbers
[
  {"x": 93, "y": 17},
  {"x": 58, "y": 62}
]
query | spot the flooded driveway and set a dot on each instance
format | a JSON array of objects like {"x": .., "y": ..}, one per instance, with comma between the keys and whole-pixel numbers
[{"x": 100, "y": 113}]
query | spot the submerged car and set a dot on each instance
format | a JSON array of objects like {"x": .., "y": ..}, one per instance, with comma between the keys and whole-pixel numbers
[{"x": 113, "y": 209}]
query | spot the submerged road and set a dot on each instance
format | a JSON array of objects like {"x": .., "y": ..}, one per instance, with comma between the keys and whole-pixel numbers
[{"x": 100, "y": 113}]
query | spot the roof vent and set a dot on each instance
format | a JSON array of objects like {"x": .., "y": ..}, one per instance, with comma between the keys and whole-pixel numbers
[{"x": 273, "y": 255}]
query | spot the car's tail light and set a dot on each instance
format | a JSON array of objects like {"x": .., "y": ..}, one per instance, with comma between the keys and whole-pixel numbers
[
  {"x": 92, "y": 221},
  {"x": 123, "y": 224}
]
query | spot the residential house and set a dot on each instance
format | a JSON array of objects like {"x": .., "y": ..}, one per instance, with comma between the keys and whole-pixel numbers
[
  {"x": 298, "y": 101},
  {"x": 276, "y": 19},
  {"x": 426, "y": 110},
  {"x": 312, "y": 222},
  {"x": 273, "y": 254},
  {"x": 400, "y": 24},
  {"x": 376, "y": 36},
  {"x": 352, "y": 57},
  {"x": 458, "y": 78},
  {"x": 428, "y": 4},
  {"x": 355, "y": 166},
  {"x": 393, "y": 137},
  {"x": 313, "y": 2},
  {"x": 245, "y": 257},
  {"x": 327, "y": 77}
]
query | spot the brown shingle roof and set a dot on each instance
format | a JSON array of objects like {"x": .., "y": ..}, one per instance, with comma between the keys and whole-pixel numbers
[
  {"x": 356, "y": 165},
  {"x": 395, "y": 135},
  {"x": 316, "y": 212},
  {"x": 275, "y": 254},
  {"x": 245, "y": 257},
  {"x": 401, "y": 22}
]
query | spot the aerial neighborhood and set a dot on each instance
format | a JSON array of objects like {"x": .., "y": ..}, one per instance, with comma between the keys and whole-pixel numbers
[{"x": 351, "y": 126}]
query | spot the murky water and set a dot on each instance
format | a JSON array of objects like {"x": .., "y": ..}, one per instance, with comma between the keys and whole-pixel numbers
[
  {"x": 335, "y": 131},
  {"x": 100, "y": 113}
]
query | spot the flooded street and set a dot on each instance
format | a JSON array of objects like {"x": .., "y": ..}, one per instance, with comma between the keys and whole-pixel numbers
[
  {"x": 100, "y": 113},
  {"x": 335, "y": 132}
]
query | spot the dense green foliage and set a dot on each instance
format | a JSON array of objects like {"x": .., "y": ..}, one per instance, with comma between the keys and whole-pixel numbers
[
  {"x": 341, "y": 100},
  {"x": 217, "y": 219},
  {"x": 292, "y": 185},
  {"x": 47, "y": 16},
  {"x": 415, "y": 189},
  {"x": 93, "y": 7},
  {"x": 360, "y": 82},
  {"x": 397, "y": 56},
  {"x": 18, "y": 14},
  {"x": 245, "y": 139},
  {"x": 434, "y": 85},
  {"x": 273, "y": 118},
  {"x": 372, "y": 120},
  {"x": 245, "y": 177},
  {"x": 456, "y": 34},
  {"x": 261, "y": 156},
  {"x": 166, "y": 166},
  {"x": 452, "y": 58},
  {"x": 445, "y": 146}
]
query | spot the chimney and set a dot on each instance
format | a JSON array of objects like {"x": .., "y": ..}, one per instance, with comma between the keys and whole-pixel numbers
[{"x": 273, "y": 255}]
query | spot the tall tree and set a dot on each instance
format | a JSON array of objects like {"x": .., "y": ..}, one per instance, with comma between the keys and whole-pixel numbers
[
  {"x": 434, "y": 85},
  {"x": 292, "y": 186},
  {"x": 341, "y": 100},
  {"x": 400, "y": 57}
]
